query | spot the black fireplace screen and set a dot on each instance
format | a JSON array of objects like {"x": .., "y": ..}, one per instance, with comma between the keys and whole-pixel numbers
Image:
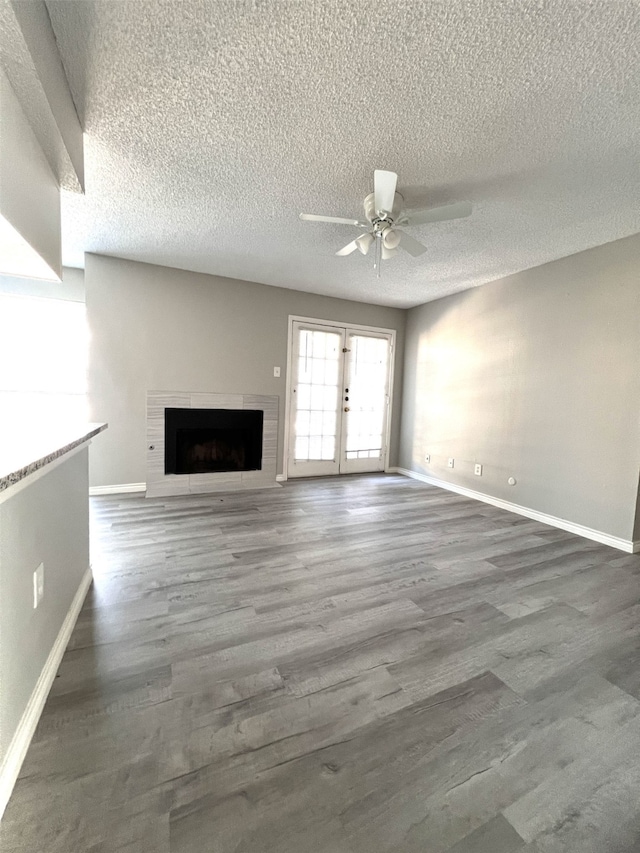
[{"x": 201, "y": 441}]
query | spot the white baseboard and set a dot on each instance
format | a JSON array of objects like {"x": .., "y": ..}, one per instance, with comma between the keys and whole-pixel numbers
[
  {"x": 124, "y": 488},
  {"x": 26, "y": 727},
  {"x": 120, "y": 489},
  {"x": 580, "y": 530}
]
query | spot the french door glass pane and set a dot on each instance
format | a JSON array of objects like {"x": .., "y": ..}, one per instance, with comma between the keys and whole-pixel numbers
[
  {"x": 367, "y": 396},
  {"x": 317, "y": 395}
]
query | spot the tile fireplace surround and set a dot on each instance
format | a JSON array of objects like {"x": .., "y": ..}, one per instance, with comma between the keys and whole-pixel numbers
[{"x": 160, "y": 484}]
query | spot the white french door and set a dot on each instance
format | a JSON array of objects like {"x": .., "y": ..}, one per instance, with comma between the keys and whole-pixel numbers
[{"x": 339, "y": 385}]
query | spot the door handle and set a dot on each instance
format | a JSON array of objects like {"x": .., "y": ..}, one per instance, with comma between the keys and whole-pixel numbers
[{"x": 346, "y": 408}]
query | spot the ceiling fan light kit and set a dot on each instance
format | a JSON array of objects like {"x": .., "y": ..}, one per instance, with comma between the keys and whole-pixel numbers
[
  {"x": 364, "y": 241},
  {"x": 390, "y": 238},
  {"x": 384, "y": 212}
]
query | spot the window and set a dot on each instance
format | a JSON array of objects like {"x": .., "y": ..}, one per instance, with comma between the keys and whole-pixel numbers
[{"x": 43, "y": 360}]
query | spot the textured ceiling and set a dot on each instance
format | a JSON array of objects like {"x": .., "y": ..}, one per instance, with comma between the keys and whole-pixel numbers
[{"x": 211, "y": 125}]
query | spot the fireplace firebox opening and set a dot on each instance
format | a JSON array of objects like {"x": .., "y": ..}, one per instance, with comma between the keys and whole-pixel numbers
[{"x": 202, "y": 441}]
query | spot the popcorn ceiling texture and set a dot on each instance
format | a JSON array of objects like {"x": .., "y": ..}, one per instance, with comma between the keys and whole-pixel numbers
[{"x": 211, "y": 125}]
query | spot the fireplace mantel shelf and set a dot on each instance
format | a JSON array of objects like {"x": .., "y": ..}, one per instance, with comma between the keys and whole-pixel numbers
[{"x": 23, "y": 452}]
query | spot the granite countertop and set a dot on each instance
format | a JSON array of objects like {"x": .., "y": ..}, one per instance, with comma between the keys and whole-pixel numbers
[{"x": 24, "y": 451}]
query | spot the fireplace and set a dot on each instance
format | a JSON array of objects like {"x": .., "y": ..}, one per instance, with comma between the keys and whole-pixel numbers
[
  {"x": 203, "y": 441},
  {"x": 241, "y": 455}
]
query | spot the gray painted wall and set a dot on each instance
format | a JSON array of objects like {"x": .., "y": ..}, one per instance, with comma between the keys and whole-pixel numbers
[
  {"x": 536, "y": 376},
  {"x": 156, "y": 328},
  {"x": 48, "y": 521},
  {"x": 636, "y": 527}
]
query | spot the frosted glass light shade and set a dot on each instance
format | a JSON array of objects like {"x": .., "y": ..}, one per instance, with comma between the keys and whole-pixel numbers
[
  {"x": 391, "y": 238},
  {"x": 364, "y": 243}
]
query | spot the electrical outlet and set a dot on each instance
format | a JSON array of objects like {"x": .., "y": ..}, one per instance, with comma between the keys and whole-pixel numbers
[
  {"x": 276, "y": 372},
  {"x": 477, "y": 470},
  {"x": 38, "y": 585},
  {"x": 450, "y": 462},
  {"x": 427, "y": 457}
]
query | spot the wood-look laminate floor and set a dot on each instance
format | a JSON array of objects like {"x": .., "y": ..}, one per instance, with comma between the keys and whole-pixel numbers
[{"x": 349, "y": 665}]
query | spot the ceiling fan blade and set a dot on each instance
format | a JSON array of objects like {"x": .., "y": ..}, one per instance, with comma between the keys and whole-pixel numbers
[
  {"x": 350, "y": 247},
  {"x": 384, "y": 189},
  {"x": 438, "y": 214},
  {"x": 410, "y": 245},
  {"x": 314, "y": 217}
]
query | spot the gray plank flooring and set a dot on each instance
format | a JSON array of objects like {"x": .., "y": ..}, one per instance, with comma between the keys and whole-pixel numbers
[{"x": 349, "y": 665}]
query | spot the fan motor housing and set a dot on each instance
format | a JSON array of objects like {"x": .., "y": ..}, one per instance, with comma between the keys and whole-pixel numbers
[{"x": 372, "y": 215}]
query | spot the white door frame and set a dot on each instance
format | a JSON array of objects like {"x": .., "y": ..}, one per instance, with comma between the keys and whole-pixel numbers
[{"x": 293, "y": 318}]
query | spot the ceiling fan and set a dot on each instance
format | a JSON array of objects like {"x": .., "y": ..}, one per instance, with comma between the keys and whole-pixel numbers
[{"x": 384, "y": 212}]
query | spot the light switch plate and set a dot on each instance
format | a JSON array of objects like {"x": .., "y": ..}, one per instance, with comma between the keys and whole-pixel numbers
[
  {"x": 450, "y": 462},
  {"x": 276, "y": 372}
]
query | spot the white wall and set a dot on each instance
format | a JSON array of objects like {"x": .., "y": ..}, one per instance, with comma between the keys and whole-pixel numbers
[
  {"x": 154, "y": 328},
  {"x": 536, "y": 376},
  {"x": 70, "y": 289},
  {"x": 29, "y": 193},
  {"x": 45, "y": 67}
]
